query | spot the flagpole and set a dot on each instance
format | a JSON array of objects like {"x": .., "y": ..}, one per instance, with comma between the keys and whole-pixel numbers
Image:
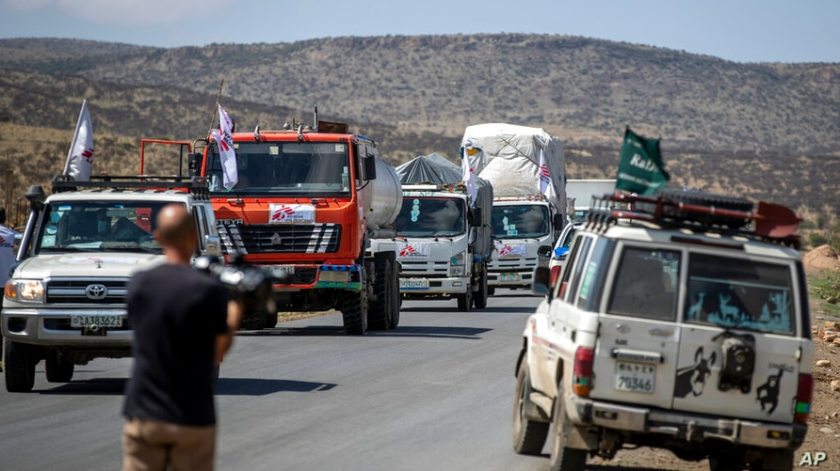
[
  {"x": 216, "y": 108},
  {"x": 75, "y": 134}
]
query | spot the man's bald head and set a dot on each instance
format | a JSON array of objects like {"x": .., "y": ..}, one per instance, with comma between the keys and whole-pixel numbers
[{"x": 176, "y": 230}]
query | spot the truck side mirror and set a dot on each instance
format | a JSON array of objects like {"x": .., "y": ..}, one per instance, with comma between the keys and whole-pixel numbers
[
  {"x": 213, "y": 245},
  {"x": 559, "y": 222},
  {"x": 370, "y": 167},
  {"x": 475, "y": 216},
  {"x": 195, "y": 161},
  {"x": 544, "y": 251},
  {"x": 542, "y": 281}
]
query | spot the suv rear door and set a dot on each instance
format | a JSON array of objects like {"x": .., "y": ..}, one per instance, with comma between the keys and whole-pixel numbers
[
  {"x": 637, "y": 347},
  {"x": 736, "y": 302}
]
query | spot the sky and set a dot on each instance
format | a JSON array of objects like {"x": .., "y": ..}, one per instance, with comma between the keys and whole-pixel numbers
[{"x": 739, "y": 30}]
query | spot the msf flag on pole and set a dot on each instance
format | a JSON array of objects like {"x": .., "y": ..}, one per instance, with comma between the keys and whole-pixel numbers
[
  {"x": 545, "y": 177},
  {"x": 224, "y": 141},
  {"x": 469, "y": 177},
  {"x": 641, "y": 169},
  {"x": 79, "y": 163}
]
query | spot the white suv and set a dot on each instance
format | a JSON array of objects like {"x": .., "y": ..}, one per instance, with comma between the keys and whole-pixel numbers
[
  {"x": 65, "y": 301},
  {"x": 687, "y": 331}
]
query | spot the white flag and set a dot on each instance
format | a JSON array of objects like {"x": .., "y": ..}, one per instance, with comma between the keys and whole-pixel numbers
[
  {"x": 469, "y": 178},
  {"x": 79, "y": 163},
  {"x": 545, "y": 177},
  {"x": 224, "y": 142}
]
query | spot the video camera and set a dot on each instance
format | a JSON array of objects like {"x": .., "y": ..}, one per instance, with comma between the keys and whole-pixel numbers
[{"x": 246, "y": 283}]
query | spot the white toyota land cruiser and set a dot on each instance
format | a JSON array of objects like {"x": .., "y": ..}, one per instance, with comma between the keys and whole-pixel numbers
[
  {"x": 65, "y": 301},
  {"x": 682, "y": 323}
]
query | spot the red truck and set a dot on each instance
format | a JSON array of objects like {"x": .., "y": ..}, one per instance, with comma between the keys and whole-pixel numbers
[{"x": 306, "y": 206}]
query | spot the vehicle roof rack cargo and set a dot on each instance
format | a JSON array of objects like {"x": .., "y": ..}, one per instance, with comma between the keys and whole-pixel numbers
[
  {"x": 699, "y": 211},
  {"x": 197, "y": 186}
]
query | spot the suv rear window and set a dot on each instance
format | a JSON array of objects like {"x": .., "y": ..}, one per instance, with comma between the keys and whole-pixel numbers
[
  {"x": 739, "y": 293},
  {"x": 646, "y": 284}
]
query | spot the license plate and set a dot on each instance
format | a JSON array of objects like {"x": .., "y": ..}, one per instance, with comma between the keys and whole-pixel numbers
[
  {"x": 510, "y": 277},
  {"x": 86, "y": 322},
  {"x": 635, "y": 377},
  {"x": 282, "y": 271},
  {"x": 414, "y": 283}
]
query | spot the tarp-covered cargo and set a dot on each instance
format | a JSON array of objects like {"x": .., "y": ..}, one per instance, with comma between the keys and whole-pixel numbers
[
  {"x": 508, "y": 156},
  {"x": 435, "y": 169}
]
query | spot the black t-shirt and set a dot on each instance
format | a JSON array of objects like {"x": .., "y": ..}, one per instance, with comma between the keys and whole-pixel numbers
[{"x": 176, "y": 313}]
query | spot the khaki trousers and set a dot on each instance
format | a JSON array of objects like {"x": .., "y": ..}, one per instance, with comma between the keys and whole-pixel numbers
[{"x": 149, "y": 445}]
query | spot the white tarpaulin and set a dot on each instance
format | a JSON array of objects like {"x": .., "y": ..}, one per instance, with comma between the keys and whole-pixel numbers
[
  {"x": 508, "y": 156},
  {"x": 80, "y": 157}
]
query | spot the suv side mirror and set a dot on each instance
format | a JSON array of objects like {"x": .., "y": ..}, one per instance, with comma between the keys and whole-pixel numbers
[
  {"x": 369, "y": 163},
  {"x": 195, "y": 164},
  {"x": 541, "y": 286},
  {"x": 213, "y": 244},
  {"x": 544, "y": 251}
]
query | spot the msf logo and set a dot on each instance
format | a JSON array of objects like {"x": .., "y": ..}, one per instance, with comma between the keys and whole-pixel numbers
[
  {"x": 407, "y": 251},
  {"x": 282, "y": 213}
]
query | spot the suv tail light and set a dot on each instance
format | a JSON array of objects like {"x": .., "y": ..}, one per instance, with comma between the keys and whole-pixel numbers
[
  {"x": 804, "y": 392},
  {"x": 582, "y": 371},
  {"x": 555, "y": 273}
]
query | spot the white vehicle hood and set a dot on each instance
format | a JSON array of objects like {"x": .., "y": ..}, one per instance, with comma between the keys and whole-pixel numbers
[
  {"x": 93, "y": 264},
  {"x": 429, "y": 249}
]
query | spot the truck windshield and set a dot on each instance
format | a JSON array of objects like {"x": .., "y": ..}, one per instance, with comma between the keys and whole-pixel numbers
[
  {"x": 293, "y": 168},
  {"x": 431, "y": 217},
  {"x": 520, "y": 221},
  {"x": 99, "y": 226},
  {"x": 739, "y": 294}
]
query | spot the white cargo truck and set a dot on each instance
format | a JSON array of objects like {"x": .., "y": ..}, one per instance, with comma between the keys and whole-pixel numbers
[
  {"x": 443, "y": 236},
  {"x": 527, "y": 170},
  {"x": 579, "y": 194}
]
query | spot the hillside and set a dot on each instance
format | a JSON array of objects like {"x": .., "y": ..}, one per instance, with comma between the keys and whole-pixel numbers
[
  {"x": 767, "y": 131},
  {"x": 581, "y": 89}
]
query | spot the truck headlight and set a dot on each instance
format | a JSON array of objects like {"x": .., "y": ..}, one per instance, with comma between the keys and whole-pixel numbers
[
  {"x": 456, "y": 264},
  {"x": 25, "y": 291}
]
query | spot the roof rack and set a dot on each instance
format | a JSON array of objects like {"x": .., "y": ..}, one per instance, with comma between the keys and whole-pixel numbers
[
  {"x": 767, "y": 222},
  {"x": 196, "y": 186}
]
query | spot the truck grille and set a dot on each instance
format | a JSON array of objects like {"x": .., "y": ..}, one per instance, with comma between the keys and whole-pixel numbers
[
  {"x": 280, "y": 238},
  {"x": 89, "y": 291}
]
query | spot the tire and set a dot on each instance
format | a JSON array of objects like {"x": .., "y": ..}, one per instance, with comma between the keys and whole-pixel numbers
[
  {"x": 397, "y": 298},
  {"x": 491, "y": 291},
  {"x": 774, "y": 460},
  {"x": 58, "y": 367},
  {"x": 354, "y": 311},
  {"x": 382, "y": 310},
  {"x": 481, "y": 295},
  {"x": 19, "y": 366},
  {"x": 465, "y": 300},
  {"x": 726, "y": 461},
  {"x": 563, "y": 458},
  {"x": 528, "y": 435},
  {"x": 707, "y": 199},
  {"x": 270, "y": 321}
]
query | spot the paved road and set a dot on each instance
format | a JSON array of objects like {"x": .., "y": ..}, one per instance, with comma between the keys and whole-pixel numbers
[{"x": 434, "y": 394}]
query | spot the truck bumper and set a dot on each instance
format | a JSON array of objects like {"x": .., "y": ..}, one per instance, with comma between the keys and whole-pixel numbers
[
  {"x": 683, "y": 426},
  {"x": 52, "y": 328},
  {"x": 520, "y": 278},
  {"x": 292, "y": 278},
  {"x": 434, "y": 287}
]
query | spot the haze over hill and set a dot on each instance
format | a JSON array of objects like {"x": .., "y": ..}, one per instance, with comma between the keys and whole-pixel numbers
[{"x": 720, "y": 121}]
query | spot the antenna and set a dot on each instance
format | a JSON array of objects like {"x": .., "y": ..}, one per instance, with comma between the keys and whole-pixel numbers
[
  {"x": 257, "y": 136},
  {"x": 315, "y": 120}
]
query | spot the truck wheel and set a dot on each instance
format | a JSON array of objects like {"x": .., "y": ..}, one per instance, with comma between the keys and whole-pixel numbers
[
  {"x": 354, "y": 310},
  {"x": 491, "y": 291},
  {"x": 482, "y": 294},
  {"x": 395, "y": 297},
  {"x": 528, "y": 435},
  {"x": 381, "y": 311},
  {"x": 270, "y": 321},
  {"x": 776, "y": 460},
  {"x": 19, "y": 366},
  {"x": 465, "y": 300},
  {"x": 563, "y": 458},
  {"x": 59, "y": 368}
]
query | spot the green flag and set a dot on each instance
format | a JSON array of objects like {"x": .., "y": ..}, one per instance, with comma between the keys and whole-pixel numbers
[{"x": 641, "y": 169}]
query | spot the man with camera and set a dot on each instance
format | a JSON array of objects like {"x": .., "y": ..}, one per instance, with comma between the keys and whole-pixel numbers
[{"x": 183, "y": 326}]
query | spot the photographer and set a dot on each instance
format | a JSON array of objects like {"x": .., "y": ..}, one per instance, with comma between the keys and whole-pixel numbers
[{"x": 183, "y": 326}]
